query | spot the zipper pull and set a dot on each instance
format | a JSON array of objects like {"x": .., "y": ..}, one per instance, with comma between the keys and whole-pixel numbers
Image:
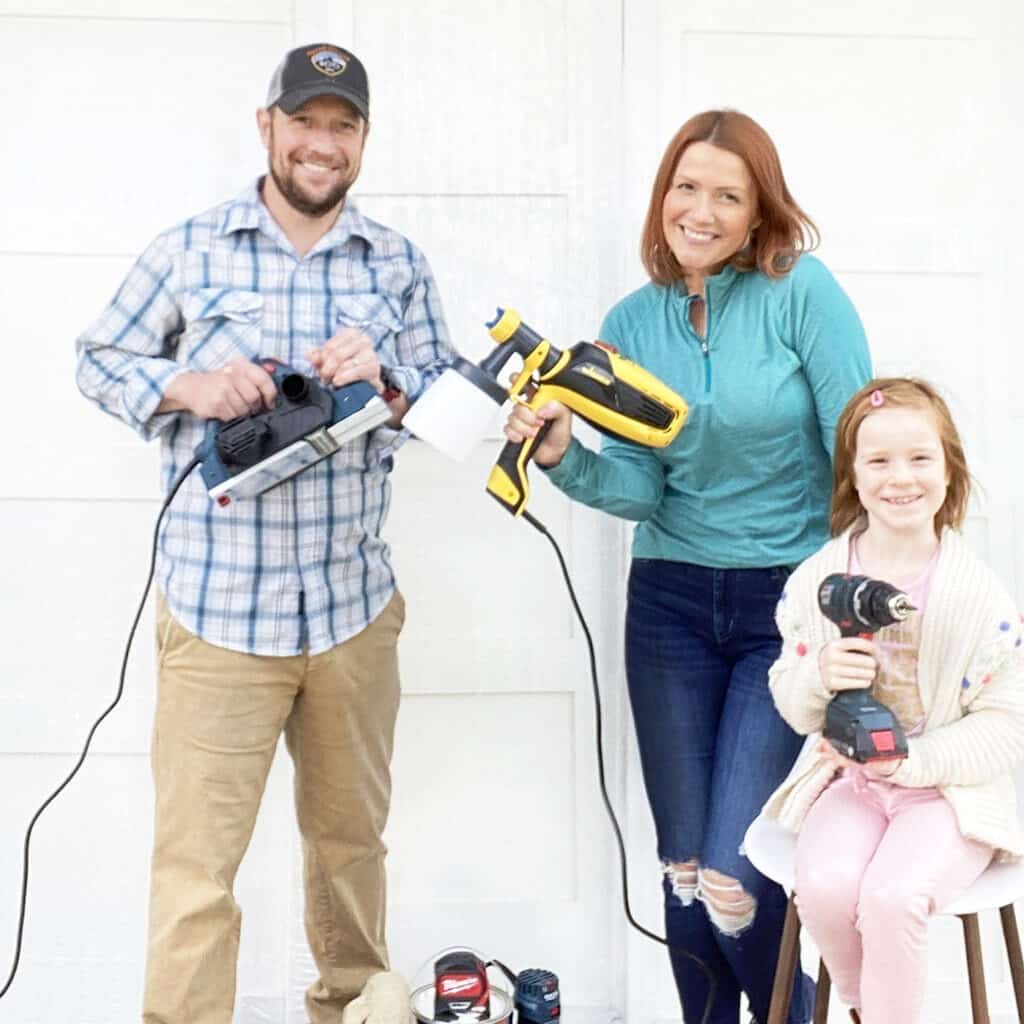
[{"x": 703, "y": 346}]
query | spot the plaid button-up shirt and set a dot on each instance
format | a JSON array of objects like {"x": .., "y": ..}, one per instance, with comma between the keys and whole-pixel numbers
[{"x": 302, "y": 567}]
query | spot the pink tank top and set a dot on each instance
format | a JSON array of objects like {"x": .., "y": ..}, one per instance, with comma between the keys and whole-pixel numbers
[{"x": 895, "y": 683}]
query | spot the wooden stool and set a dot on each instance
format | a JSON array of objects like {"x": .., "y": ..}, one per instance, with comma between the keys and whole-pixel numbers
[
  {"x": 788, "y": 952},
  {"x": 772, "y": 850}
]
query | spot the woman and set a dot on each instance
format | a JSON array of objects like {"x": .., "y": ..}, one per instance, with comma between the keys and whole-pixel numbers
[{"x": 766, "y": 348}]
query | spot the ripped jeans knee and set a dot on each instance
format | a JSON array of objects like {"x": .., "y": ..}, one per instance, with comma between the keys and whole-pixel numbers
[
  {"x": 729, "y": 906},
  {"x": 683, "y": 879}
]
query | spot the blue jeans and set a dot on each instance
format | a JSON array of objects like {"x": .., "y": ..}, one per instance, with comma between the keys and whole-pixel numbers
[{"x": 699, "y": 643}]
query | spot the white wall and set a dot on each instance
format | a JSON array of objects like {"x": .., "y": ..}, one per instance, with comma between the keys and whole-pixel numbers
[{"x": 515, "y": 142}]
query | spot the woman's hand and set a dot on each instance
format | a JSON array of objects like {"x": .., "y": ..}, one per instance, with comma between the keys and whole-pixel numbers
[
  {"x": 849, "y": 663},
  {"x": 883, "y": 769},
  {"x": 524, "y": 423}
]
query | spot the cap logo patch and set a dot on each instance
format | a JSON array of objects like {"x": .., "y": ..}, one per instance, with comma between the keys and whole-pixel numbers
[{"x": 329, "y": 62}]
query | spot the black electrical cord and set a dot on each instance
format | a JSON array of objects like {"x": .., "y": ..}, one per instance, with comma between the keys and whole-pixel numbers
[
  {"x": 120, "y": 691},
  {"x": 505, "y": 969},
  {"x": 712, "y": 983},
  {"x": 88, "y": 740}
]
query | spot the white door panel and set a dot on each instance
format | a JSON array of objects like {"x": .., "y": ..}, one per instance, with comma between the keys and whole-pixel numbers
[{"x": 515, "y": 143}]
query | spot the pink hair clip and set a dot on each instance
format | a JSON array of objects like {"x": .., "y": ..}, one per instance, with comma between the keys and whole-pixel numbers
[{"x": 877, "y": 398}]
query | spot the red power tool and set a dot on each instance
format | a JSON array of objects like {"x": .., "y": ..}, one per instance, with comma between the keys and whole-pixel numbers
[
  {"x": 461, "y": 987},
  {"x": 856, "y": 724}
]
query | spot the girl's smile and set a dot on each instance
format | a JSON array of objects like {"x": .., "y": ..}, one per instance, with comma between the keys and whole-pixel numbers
[{"x": 900, "y": 471}]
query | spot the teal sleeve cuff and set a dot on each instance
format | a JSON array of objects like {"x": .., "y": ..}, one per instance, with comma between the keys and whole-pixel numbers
[{"x": 569, "y": 468}]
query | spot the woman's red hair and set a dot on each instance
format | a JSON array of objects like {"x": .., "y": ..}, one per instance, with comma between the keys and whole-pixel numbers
[{"x": 784, "y": 230}]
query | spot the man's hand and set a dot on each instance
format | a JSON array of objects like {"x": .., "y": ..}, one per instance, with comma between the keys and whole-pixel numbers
[
  {"x": 849, "y": 663},
  {"x": 883, "y": 769},
  {"x": 384, "y": 1000},
  {"x": 348, "y": 356},
  {"x": 237, "y": 389}
]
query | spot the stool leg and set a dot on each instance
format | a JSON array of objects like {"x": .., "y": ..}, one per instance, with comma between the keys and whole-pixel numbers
[
  {"x": 975, "y": 969},
  {"x": 822, "y": 994},
  {"x": 1013, "y": 954},
  {"x": 782, "y": 988}
]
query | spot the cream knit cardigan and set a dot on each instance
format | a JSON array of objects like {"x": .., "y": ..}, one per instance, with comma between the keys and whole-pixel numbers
[{"x": 970, "y": 674}]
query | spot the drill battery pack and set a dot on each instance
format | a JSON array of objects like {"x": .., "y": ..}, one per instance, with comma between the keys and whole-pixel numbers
[
  {"x": 863, "y": 729},
  {"x": 309, "y": 421}
]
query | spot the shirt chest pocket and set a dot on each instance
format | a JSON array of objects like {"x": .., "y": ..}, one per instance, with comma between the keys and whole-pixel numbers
[
  {"x": 376, "y": 315},
  {"x": 221, "y": 324}
]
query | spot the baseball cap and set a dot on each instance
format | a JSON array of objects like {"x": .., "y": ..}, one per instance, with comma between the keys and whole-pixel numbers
[{"x": 320, "y": 69}]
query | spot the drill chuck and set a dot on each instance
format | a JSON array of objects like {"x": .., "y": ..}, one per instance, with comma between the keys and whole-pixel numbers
[
  {"x": 899, "y": 607},
  {"x": 860, "y": 604}
]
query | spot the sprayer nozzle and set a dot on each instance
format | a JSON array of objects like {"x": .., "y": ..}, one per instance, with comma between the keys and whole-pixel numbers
[{"x": 498, "y": 314}]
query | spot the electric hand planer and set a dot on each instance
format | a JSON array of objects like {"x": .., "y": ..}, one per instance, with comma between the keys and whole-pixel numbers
[{"x": 309, "y": 421}]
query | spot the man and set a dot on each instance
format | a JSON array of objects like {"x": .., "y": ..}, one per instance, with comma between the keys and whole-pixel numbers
[{"x": 278, "y": 612}]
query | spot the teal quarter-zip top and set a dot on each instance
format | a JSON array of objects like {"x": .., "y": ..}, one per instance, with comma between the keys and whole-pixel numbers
[
  {"x": 691, "y": 300},
  {"x": 747, "y": 482}
]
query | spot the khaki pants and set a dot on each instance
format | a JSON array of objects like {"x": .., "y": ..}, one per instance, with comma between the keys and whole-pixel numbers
[{"x": 219, "y": 715}]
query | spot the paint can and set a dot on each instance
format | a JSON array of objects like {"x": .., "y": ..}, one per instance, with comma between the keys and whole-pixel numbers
[{"x": 422, "y": 1005}]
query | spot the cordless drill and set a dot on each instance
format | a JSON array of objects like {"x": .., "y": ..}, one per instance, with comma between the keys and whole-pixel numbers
[{"x": 856, "y": 724}]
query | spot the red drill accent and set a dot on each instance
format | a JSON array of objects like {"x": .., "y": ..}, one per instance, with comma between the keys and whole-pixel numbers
[{"x": 883, "y": 740}]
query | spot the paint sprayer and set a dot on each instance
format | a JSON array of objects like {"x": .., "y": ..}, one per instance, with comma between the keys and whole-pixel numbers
[{"x": 613, "y": 394}]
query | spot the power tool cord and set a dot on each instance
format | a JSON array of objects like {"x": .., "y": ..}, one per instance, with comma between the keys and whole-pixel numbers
[
  {"x": 88, "y": 740},
  {"x": 599, "y": 728},
  {"x": 537, "y": 525}
]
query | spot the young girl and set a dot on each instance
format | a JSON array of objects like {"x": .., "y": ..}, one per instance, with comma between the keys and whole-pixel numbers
[{"x": 882, "y": 846}]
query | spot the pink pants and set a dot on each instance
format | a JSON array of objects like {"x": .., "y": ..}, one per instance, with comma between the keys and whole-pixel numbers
[{"x": 874, "y": 861}]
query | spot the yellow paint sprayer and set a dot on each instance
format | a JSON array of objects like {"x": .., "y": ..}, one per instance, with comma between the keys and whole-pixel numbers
[{"x": 609, "y": 391}]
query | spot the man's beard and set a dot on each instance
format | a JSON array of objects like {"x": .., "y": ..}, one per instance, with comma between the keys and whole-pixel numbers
[{"x": 301, "y": 201}]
